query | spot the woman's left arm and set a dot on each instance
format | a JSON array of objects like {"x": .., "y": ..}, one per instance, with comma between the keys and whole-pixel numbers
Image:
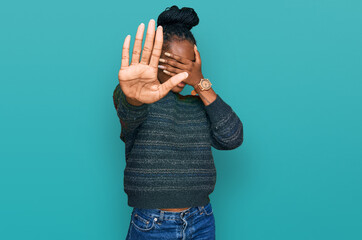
[{"x": 226, "y": 127}]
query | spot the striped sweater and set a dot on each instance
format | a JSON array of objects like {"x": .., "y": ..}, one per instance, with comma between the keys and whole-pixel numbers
[{"x": 169, "y": 162}]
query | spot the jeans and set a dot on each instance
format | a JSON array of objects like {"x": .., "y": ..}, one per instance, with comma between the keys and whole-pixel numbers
[{"x": 193, "y": 223}]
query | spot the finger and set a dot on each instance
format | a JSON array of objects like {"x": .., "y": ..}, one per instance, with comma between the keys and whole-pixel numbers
[
  {"x": 125, "y": 52},
  {"x": 147, "y": 48},
  {"x": 170, "y": 69},
  {"x": 197, "y": 55},
  {"x": 169, "y": 73},
  {"x": 165, "y": 87},
  {"x": 157, "y": 48},
  {"x": 174, "y": 63},
  {"x": 178, "y": 58},
  {"x": 138, "y": 44}
]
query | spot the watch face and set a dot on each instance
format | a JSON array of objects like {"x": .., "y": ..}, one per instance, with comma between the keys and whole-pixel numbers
[{"x": 205, "y": 83}]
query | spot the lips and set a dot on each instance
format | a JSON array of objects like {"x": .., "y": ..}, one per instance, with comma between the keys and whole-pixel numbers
[{"x": 181, "y": 84}]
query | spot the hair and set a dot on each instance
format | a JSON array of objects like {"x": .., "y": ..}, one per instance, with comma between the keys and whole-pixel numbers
[{"x": 177, "y": 24}]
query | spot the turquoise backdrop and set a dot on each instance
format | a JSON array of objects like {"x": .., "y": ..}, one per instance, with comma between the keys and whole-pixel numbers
[{"x": 291, "y": 70}]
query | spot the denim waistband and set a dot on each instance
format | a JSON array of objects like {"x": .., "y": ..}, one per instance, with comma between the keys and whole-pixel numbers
[{"x": 168, "y": 215}]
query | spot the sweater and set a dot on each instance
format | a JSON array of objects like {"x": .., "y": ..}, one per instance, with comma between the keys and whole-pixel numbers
[{"x": 169, "y": 161}]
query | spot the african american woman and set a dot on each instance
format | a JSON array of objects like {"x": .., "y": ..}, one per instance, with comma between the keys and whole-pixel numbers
[{"x": 170, "y": 170}]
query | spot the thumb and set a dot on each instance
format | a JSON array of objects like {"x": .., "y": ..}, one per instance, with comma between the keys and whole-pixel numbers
[{"x": 165, "y": 87}]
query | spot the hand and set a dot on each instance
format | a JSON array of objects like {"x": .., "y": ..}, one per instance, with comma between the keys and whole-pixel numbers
[
  {"x": 176, "y": 64},
  {"x": 139, "y": 80}
]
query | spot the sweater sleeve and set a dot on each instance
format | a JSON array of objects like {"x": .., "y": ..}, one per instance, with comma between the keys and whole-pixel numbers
[
  {"x": 130, "y": 116},
  {"x": 226, "y": 127}
]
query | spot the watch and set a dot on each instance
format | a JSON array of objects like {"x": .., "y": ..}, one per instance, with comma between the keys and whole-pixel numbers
[{"x": 203, "y": 85}]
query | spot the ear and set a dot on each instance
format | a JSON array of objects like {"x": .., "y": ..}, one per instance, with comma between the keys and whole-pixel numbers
[{"x": 197, "y": 55}]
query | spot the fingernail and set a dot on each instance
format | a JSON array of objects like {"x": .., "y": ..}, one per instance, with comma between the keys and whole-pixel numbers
[
  {"x": 186, "y": 74},
  {"x": 165, "y": 71},
  {"x": 195, "y": 46},
  {"x": 162, "y": 60},
  {"x": 168, "y": 54},
  {"x": 161, "y": 67}
]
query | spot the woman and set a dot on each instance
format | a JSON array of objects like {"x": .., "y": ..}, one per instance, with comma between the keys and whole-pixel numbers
[{"x": 170, "y": 170}]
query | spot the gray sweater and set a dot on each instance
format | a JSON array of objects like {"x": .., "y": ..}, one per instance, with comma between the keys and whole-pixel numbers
[{"x": 169, "y": 162}]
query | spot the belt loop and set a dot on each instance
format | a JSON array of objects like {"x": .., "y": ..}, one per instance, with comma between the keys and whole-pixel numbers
[{"x": 161, "y": 215}]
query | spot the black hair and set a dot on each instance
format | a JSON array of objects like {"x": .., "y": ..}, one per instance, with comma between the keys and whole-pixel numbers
[{"x": 177, "y": 23}]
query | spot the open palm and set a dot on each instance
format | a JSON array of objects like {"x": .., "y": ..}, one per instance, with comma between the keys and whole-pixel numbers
[{"x": 139, "y": 79}]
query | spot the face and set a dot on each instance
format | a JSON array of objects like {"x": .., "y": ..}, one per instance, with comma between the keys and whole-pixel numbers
[{"x": 182, "y": 48}]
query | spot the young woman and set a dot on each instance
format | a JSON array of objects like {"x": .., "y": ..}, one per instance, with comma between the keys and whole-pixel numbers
[{"x": 170, "y": 170}]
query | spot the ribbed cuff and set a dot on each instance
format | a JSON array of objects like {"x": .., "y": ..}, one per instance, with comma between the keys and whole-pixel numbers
[{"x": 217, "y": 110}]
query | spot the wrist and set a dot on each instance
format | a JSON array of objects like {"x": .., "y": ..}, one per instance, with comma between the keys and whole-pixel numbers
[
  {"x": 197, "y": 88},
  {"x": 196, "y": 83}
]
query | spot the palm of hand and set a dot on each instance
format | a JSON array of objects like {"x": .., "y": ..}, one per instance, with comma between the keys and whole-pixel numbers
[{"x": 139, "y": 80}]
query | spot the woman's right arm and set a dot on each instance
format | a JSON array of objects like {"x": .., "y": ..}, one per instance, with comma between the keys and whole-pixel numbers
[
  {"x": 130, "y": 116},
  {"x": 138, "y": 82}
]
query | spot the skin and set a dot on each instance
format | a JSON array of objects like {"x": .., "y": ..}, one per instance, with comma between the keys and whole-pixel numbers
[
  {"x": 182, "y": 48},
  {"x": 138, "y": 80},
  {"x": 160, "y": 70},
  {"x": 183, "y": 57}
]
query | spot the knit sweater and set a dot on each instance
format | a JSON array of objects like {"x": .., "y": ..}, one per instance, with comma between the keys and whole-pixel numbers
[{"x": 169, "y": 161}]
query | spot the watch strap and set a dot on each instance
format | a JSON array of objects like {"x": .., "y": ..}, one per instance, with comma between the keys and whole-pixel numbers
[{"x": 199, "y": 87}]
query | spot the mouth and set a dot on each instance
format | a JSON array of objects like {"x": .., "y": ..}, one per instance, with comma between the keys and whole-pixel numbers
[{"x": 181, "y": 84}]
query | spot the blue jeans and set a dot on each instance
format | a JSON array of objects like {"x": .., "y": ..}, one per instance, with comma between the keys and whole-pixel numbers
[{"x": 194, "y": 223}]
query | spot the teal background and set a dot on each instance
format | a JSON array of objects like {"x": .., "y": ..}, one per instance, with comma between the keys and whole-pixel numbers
[{"x": 291, "y": 70}]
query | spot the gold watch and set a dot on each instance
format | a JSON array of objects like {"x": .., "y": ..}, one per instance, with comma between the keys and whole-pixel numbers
[{"x": 203, "y": 85}]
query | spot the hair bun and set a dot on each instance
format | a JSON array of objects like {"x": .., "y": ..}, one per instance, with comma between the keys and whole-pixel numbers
[{"x": 174, "y": 16}]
